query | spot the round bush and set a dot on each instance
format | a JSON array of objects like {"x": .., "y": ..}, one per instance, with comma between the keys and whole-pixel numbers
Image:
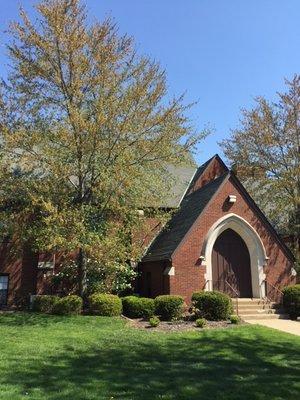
[
  {"x": 291, "y": 300},
  {"x": 69, "y": 305},
  {"x": 107, "y": 305},
  {"x": 200, "y": 322},
  {"x": 154, "y": 322},
  {"x": 138, "y": 307},
  {"x": 235, "y": 319},
  {"x": 44, "y": 303},
  {"x": 168, "y": 306},
  {"x": 214, "y": 306}
]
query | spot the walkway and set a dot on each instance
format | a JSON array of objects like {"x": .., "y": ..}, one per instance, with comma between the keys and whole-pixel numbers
[{"x": 284, "y": 325}]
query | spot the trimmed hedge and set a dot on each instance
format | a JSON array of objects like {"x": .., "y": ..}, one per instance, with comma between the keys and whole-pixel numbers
[
  {"x": 69, "y": 305},
  {"x": 44, "y": 303},
  {"x": 213, "y": 306},
  {"x": 154, "y": 322},
  {"x": 107, "y": 305},
  {"x": 235, "y": 319},
  {"x": 291, "y": 300},
  {"x": 200, "y": 322},
  {"x": 138, "y": 307},
  {"x": 168, "y": 307}
]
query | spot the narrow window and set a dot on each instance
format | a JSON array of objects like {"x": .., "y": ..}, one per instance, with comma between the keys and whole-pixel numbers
[{"x": 3, "y": 289}]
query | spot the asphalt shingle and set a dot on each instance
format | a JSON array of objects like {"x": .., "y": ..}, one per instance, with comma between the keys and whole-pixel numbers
[{"x": 182, "y": 220}]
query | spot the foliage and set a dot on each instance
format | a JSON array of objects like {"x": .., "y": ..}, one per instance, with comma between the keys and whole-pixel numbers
[
  {"x": 266, "y": 156},
  {"x": 102, "y": 277},
  {"x": 154, "y": 321},
  {"x": 44, "y": 303},
  {"x": 235, "y": 319},
  {"x": 169, "y": 307},
  {"x": 138, "y": 307},
  {"x": 291, "y": 300},
  {"x": 107, "y": 305},
  {"x": 69, "y": 305},
  {"x": 214, "y": 306},
  {"x": 87, "y": 131},
  {"x": 200, "y": 322}
]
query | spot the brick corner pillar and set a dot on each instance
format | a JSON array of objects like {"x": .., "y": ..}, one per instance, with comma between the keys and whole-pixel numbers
[{"x": 29, "y": 272}]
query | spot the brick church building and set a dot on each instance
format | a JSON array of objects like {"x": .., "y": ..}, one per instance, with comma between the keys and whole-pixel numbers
[{"x": 217, "y": 239}]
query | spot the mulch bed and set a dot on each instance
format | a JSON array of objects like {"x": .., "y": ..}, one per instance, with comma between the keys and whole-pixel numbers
[{"x": 179, "y": 326}]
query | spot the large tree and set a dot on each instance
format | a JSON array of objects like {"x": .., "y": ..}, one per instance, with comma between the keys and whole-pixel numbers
[
  {"x": 265, "y": 151},
  {"x": 86, "y": 133}
]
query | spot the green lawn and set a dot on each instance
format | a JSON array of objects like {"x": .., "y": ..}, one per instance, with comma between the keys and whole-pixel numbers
[{"x": 85, "y": 358}]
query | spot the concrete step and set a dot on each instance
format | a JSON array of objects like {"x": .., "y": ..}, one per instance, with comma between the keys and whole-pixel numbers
[
  {"x": 253, "y": 306},
  {"x": 247, "y": 317},
  {"x": 248, "y": 302},
  {"x": 259, "y": 312}
]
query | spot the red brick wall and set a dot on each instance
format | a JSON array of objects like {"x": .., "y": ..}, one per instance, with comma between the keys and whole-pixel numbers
[
  {"x": 150, "y": 227},
  {"x": 213, "y": 170},
  {"x": 189, "y": 274}
]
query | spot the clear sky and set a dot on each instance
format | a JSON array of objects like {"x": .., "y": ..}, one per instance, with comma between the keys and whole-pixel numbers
[{"x": 223, "y": 53}]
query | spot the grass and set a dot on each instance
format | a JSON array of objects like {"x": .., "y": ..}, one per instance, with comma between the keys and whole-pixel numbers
[{"x": 87, "y": 358}]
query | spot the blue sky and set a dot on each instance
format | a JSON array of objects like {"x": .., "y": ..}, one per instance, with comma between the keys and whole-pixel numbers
[{"x": 223, "y": 53}]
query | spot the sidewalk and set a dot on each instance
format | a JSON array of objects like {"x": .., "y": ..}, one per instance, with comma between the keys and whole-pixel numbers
[{"x": 284, "y": 325}]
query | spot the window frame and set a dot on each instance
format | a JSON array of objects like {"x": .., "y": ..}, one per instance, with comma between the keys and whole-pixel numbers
[{"x": 7, "y": 290}]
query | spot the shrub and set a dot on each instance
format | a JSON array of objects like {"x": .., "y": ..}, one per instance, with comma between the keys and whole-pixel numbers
[
  {"x": 214, "y": 306},
  {"x": 138, "y": 307},
  {"x": 235, "y": 319},
  {"x": 168, "y": 306},
  {"x": 69, "y": 305},
  {"x": 154, "y": 322},
  {"x": 44, "y": 303},
  {"x": 108, "y": 305},
  {"x": 291, "y": 300},
  {"x": 200, "y": 322}
]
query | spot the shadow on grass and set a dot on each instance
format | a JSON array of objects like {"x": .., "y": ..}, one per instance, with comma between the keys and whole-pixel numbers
[{"x": 243, "y": 363}]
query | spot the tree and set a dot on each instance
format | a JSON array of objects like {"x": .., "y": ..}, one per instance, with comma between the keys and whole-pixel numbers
[
  {"x": 265, "y": 151},
  {"x": 86, "y": 134}
]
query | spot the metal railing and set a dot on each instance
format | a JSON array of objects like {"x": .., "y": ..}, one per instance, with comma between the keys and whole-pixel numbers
[
  {"x": 206, "y": 282},
  {"x": 237, "y": 296},
  {"x": 278, "y": 295}
]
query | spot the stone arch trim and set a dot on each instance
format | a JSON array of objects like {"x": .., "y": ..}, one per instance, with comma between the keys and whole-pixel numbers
[{"x": 254, "y": 243}]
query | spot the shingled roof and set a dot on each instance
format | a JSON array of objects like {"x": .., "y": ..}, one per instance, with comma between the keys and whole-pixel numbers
[
  {"x": 181, "y": 180},
  {"x": 191, "y": 207}
]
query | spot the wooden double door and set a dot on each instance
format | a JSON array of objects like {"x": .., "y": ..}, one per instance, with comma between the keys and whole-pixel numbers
[{"x": 231, "y": 268}]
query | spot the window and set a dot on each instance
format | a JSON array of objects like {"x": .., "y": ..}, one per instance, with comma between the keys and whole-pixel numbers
[{"x": 3, "y": 289}]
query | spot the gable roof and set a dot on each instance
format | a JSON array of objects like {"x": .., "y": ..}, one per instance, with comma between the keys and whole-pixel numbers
[
  {"x": 191, "y": 207},
  {"x": 203, "y": 167},
  {"x": 182, "y": 177},
  {"x": 263, "y": 217}
]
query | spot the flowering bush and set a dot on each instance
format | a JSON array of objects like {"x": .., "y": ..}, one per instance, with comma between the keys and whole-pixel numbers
[{"x": 112, "y": 277}]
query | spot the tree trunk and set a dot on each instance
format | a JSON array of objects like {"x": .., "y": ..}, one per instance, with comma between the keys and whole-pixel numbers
[{"x": 81, "y": 268}]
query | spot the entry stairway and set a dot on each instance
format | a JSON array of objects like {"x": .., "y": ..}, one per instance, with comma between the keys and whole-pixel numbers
[{"x": 255, "y": 308}]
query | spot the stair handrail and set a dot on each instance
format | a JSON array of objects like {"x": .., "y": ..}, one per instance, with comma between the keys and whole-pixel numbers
[
  {"x": 237, "y": 296},
  {"x": 206, "y": 282},
  {"x": 274, "y": 287}
]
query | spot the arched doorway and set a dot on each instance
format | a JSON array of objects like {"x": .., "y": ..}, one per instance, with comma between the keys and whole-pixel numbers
[
  {"x": 254, "y": 245},
  {"x": 231, "y": 266}
]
